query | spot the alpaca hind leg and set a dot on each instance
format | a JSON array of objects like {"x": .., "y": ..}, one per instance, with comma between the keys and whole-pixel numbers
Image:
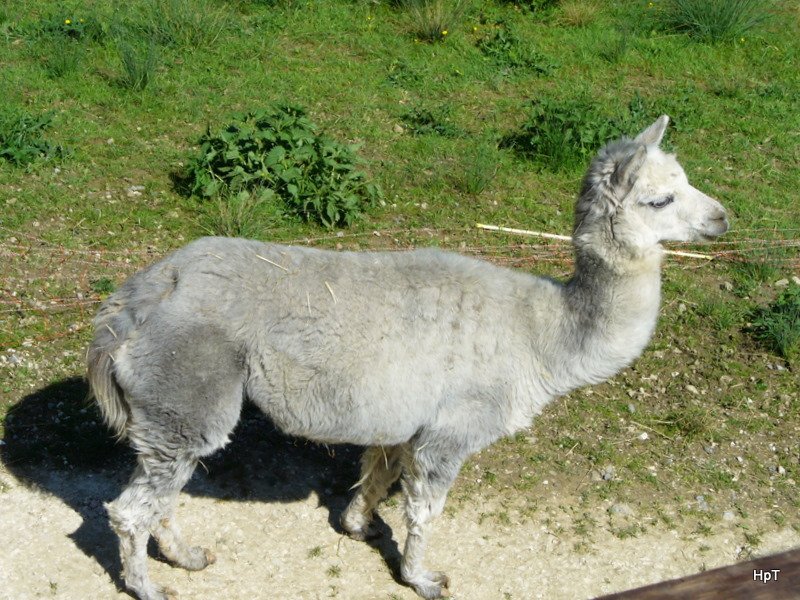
[
  {"x": 135, "y": 514},
  {"x": 380, "y": 468},
  {"x": 171, "y": 542},
  {"x": 426, "y": 480}
]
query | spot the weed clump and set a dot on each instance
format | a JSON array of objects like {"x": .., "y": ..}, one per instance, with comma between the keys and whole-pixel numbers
[
  {"x": 278, "y": 153},
  {"x": 504, "y": 48},
  {"x": 534, "y": 5},
  {"x": 139, "y": 56},
  {"x": 430, "y": 121},
  {"x": 80, "y": 29},
  {"x": 434, "y": 20},
  {"x": 22, "y": 139},
  {"x": 777, "y": 326},
  {"x": 713, "y": 20},
  {"x": 562, "y": 134},
  {"x": 185, "y": 23}
]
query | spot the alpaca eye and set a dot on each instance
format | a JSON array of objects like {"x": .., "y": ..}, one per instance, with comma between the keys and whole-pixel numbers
[{"x": 663, "y": 201}]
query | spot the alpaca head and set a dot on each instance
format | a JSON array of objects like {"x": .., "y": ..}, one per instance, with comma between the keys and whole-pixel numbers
[{"x": 637, "y": 196}]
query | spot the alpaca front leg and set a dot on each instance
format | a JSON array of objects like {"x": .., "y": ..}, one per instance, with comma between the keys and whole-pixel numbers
[
  {"x": 424, "y": 502},
  {"x": 380, "y": 468}
]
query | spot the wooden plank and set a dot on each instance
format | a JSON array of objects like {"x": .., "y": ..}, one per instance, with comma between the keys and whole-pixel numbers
[{"x": 775, "y": 577}]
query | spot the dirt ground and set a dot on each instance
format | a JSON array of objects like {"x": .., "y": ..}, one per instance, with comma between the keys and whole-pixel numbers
[{"x": 279, "y": 541}]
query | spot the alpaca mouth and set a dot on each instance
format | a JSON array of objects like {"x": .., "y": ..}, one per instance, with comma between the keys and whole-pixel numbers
[{"x": 713, "y": 230}]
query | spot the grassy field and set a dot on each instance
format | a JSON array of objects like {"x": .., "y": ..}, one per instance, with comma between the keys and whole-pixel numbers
[{"x": 110, "y": 103}]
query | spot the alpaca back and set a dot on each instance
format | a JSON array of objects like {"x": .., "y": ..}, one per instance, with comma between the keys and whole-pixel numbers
[{"x": 353, "y": 347}]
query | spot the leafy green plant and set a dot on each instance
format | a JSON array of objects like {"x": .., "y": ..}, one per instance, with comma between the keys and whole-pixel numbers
[
  {"x": 280, "y": 150},
  {"x": 22, "y": 140},
  {"x": 562, "y": 134},
  {"x": 434, "y": 20},
  {"x": 400, "y": 73},
  {"x": 103, "y": 286},
  {"x": 504, "y": 49},
  {"x": 427, "y": 121},
  {"x": 713, "y": 20},
  {"x": 81, "y": 29},
  {"x": 777, "y": 326}
]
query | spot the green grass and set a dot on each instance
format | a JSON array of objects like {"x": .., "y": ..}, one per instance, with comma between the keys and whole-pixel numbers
[
  {"x": 94, "y": 193},
  {"x": 714, "y": 20}
]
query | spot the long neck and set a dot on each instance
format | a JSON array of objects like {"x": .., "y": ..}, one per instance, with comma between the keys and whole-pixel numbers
[{"x": 610, "y": 310}]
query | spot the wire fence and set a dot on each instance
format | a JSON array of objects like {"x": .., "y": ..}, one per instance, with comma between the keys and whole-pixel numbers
[{"x": 41, "y": 276}]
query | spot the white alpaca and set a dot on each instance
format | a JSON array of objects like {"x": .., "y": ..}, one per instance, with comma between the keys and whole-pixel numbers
[{"x": 424, "y": 357}]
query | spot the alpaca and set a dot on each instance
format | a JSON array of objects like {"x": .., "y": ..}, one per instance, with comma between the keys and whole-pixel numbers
[{"x": 424, "y": 357}]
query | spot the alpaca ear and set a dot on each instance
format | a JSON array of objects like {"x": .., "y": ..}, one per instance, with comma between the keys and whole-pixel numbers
[
  {"x": 655, "y": 133},
  {"x": 625, "y": 173}
]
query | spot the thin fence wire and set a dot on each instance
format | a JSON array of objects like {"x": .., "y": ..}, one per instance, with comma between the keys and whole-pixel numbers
[{"x": 35, "y": 266}]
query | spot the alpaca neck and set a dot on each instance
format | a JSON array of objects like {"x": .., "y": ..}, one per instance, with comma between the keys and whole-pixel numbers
[{"x": 611, "y": 307}]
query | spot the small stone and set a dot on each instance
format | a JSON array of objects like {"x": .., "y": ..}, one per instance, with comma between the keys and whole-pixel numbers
[
  {"x": 631, "y": 408},
  {"x": 796, "y": 279},
  {"x": 727, "y": 286},
  {"x": 782, "y": 283},
  {"x": 681, "y": 308},
  {"x": 398, "y": 128},
  {"x": 728, "y": 516},
  {"x": 608, "y": 473},
  {"x": 643, "y": 436},
  {"x": 622, "y": 510},
  {"x": 692, "y": 389}
]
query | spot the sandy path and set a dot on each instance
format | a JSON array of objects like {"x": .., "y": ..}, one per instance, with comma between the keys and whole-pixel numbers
[{"x": 58, "y": 546}]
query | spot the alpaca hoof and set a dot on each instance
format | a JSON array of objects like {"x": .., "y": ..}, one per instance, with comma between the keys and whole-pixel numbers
[
  {"x": 170, "y": 594},
  {"x": 359, "y": 532},
  {"x": 433, "y": 585},
  {"x": 154, "y": 592},
  {"x": 364, "y": 534},
  {"x": 198, "y": 558}
]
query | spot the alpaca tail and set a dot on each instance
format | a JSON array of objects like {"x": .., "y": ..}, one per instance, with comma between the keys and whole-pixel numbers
[{"x": 110, "y": 333}]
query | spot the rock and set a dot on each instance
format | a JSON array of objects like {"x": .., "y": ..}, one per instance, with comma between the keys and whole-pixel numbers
[
  {"x": 608, "y": 473},
  {"x": 728, "y": 515},
  {"x": 782, "y": 283},
  {"x": 643, "y": 436},
  {"x": 398, "y": 128},
  {"x": 727, "y": 286},
  {"x": 622, "y": 510}
]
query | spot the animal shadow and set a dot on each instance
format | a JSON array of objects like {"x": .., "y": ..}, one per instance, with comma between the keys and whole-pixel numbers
[{"x": 55, "y": 441}]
